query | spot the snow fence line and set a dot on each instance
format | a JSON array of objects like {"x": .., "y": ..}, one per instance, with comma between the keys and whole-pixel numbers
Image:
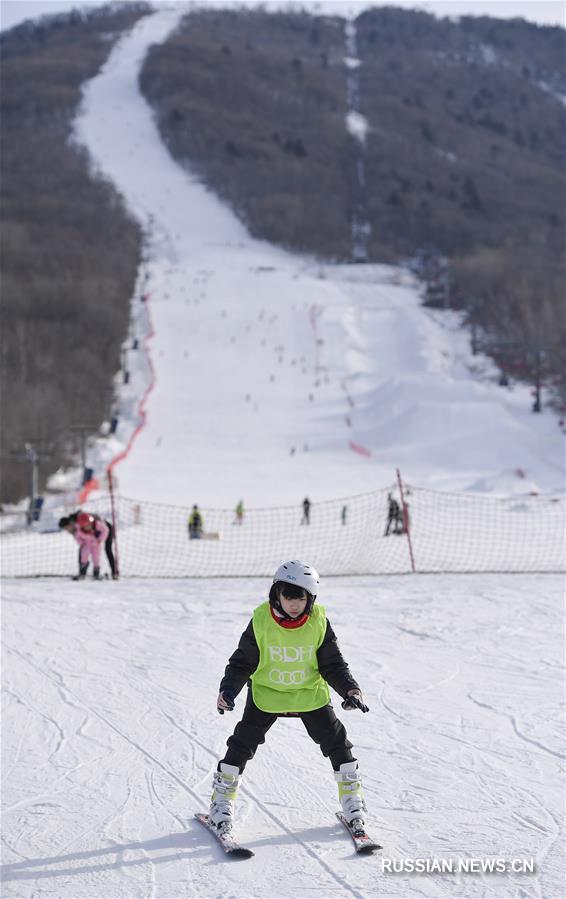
[{"x": 377, "y": 533}]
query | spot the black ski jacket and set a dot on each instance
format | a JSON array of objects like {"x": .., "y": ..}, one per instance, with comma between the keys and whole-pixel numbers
[{"x": 331, "y": 663}]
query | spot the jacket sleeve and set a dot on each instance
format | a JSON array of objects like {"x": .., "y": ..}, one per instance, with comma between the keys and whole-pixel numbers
[
  {"x": 101, "y": 531},
  {"x": 333, "y": 666},
  {"x": 242, "y": 663}
]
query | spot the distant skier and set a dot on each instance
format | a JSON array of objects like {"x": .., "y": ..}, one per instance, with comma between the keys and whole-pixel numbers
[
  {"x": 344, "y": 514},
  {"x": 239, "y": 513},
  {"x": 289, "y": 655},
  {"x": 394, "y": 517},
  {"x": 306, "y": 519},
  {"x": 69, "y": 523},
  {"x": 196, "y": 524},
  {"x": 90, "y": 534}
]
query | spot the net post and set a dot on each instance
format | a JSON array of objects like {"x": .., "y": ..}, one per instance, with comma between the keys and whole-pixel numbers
[
  {"x": 113, "y": 510},
  {"x": 406, "y": 520}
]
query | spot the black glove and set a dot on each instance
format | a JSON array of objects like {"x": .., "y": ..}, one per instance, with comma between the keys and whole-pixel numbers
[
  {"x": 228, "y": 696},
  {"x": 353, "y": 702}
]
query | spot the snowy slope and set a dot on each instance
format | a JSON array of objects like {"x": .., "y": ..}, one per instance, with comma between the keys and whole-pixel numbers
[
  {"x": 111, "y": 737},
  {"x": 268, "y": 366},
  {"x": 110, "y": 731}
]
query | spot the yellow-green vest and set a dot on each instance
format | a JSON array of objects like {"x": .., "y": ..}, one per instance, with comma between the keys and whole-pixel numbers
[{"x": 287, "y": 678}]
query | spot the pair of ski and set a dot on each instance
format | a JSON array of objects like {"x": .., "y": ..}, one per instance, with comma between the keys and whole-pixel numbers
[{"x": 362, "y": 841}]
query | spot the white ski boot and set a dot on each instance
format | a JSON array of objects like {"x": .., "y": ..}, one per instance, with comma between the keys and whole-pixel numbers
[
  {"x": 350, "y": 794},
  {"x": 225, "y": 787}
]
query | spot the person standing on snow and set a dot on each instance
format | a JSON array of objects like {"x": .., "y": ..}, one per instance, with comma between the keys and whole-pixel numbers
[
  {"x": 289, "y": 655},
  {"x": 306, "y": 511},
  {"x": 394, "y": 517},
  {"x": 69, "y": 523},
  {"x": 239, "y": 513},
  {"x": 196, "y": 524},
  {"x": 90, "y": 534}
]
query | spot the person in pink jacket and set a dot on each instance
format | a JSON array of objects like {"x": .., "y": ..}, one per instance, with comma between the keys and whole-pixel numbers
[{"x": 90, "y": 534}]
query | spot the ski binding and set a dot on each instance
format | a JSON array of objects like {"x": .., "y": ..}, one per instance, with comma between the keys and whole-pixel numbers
[
  {"x": 226, "y": 840},
  {"x": 362, "y": 841}
]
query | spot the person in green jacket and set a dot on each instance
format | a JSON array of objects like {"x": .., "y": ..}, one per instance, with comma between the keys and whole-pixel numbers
[
  {"x": 289, "y": 656},
  {"x": 239, "y": 513},
  {"x": 195, "y": 524}
]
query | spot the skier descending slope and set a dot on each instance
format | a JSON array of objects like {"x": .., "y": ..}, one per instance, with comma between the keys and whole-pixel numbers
[{"x": 290, "y": 654}]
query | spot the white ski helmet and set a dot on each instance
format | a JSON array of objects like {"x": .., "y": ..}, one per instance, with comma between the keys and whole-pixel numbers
[{"x": 300, "y": 574}]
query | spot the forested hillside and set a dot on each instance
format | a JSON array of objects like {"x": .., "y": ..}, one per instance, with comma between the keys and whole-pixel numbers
[
  {"x": 464, "y": 156},
  {"x": 255, "y": 102},
  {"x": 69, "y": 249},
  {"x": 466, "y": 153}
]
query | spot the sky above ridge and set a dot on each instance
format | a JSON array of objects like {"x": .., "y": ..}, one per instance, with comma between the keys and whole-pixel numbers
[{"x": 548, "y": 12}]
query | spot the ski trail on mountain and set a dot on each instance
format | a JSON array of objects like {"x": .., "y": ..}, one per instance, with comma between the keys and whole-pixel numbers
[{"x": 276, "y": 376}]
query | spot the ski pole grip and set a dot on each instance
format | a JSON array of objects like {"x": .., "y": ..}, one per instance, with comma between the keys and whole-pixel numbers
[
  {"x": 228, "y": 698},
  {"x": 354, "y": 702}
]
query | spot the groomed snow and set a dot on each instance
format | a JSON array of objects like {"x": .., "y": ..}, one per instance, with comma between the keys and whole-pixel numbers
[{"x": 111, "y": 737}]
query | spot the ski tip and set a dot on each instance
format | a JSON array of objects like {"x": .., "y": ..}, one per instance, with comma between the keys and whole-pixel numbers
[
  {"x": 240, "y": 852},
  {"x": 369, "y": 849}
]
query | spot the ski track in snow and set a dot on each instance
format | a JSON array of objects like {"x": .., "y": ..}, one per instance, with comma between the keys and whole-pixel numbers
[{"x": 111, "y": 737}]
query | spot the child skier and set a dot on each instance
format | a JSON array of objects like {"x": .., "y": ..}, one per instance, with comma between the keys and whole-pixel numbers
[
  {"x": 289, "y": 654},
  {"x": 90, "y": 534},
  {"x": 69, "y": 523}
]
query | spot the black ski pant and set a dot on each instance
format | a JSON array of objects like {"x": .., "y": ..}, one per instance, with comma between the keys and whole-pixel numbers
[
  {"x": 322, "y": 726},
  {"x": 108, "y": 548}
]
